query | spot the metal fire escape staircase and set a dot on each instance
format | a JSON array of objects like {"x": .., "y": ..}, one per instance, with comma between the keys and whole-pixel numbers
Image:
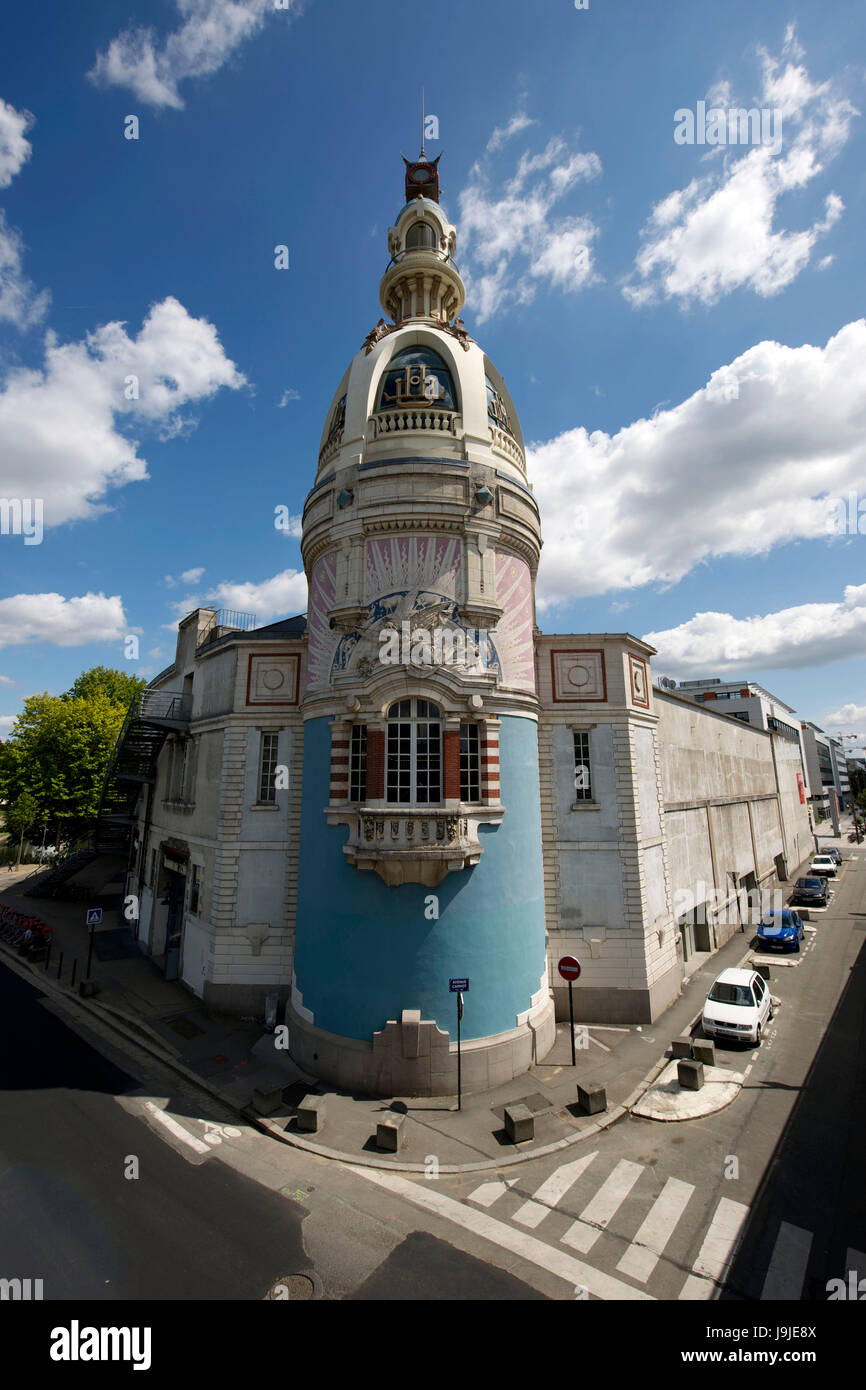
[{"x": 151, "y": 717}]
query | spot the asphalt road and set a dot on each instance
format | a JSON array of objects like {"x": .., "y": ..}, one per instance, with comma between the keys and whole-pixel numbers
[
  {"x": 763, "y": 1200},
  {"x": 220, "y": 1222}
]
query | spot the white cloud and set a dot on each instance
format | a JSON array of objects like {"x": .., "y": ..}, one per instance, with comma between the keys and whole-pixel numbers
[
  {"x": 519, "y": 121},
  {"x": 64, "y": 622},
  {"x": 812, "y": 634},
  {"x": 717, "y": 234},
  {"x": 750, "y": 461},
  {"x": 282, "y": 596},
  {"x": 192, "y": 576},
  {"x": 290, "y": 394},
  {"x": 294, "y": 527},
  {"x": 510, "y": 237},
  {"x": 20, "y": 303},
  {"x": 15, "y": 150},
  {"x": 211, "y": 31},
  {"x": 60, "y": 427},
  {"x": 6, "y": 680},
  {"x": 849, "y": 719}
]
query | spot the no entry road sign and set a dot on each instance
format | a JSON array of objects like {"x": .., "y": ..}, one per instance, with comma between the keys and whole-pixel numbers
[{"x": 569, "y": 968}]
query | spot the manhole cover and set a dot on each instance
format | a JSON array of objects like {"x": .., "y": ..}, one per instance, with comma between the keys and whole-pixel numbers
[{"x": 293, "y": 1287}]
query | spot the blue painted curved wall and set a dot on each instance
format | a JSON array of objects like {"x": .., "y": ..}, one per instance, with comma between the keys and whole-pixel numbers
[{"x": 364, "y": 951}]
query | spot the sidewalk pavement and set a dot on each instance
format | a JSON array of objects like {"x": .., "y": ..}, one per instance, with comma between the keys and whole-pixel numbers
[{"x": 231, "y": 1058}]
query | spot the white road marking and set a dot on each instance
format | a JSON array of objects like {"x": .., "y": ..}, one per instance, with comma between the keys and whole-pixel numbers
[
  {"x": 604, "y": 1047},
  {"x": 175, "y": 1129},
  {"x": 552, "y": 1191},
  {"x": 717, "y": 1251},
  {"x": 594, "y": 1218},
  {"x": 574, "y": 1272},
  {"x": 642, "y": 1256},
  {"x": 605, "y": 1028},
  {"x": 787, "y": 1268},
  {"x": 490, "y": 1192}
]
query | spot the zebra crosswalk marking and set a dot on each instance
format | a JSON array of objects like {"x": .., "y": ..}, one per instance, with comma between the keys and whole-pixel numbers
[
  {"x": 787, "y": 1268},
  {"x": 490, "y": 1192},
  {"x": 552, "y": 1191},
  {"x": 642, "y": 1256},
  {"x": 583, "y": 1233},
  {"x": 717, "y": 1251}
]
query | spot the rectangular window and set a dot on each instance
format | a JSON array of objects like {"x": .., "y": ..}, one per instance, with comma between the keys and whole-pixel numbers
[
  {"x": 358, "y": 763},
  {"x": 470, "y": 763},
  {"x": 195, "y": 889},
  {"x": 582, "y": 771},
  {"x": 428, "y": 762},
  {"x": 399, "y": 788},
  {"x": 267, "y": 768}
]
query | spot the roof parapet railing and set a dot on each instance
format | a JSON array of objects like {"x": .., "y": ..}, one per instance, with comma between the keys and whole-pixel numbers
[{"x": 227, "y": 618}]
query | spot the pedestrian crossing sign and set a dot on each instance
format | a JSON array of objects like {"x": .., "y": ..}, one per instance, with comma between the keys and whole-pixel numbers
[{"x": 94, "y": 916}]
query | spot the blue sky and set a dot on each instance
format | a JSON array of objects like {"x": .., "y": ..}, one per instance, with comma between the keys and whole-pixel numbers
[{"x": 680, "y": 325}]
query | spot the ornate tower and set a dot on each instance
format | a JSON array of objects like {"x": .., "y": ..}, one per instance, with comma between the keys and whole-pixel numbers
[{"x": 420, "y": 854}]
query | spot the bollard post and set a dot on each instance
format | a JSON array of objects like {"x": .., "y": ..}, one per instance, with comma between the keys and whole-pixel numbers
[
  {"x": 48, "y": 957},
  {"x": 60, "y": 966},
  {"x": 74, "y": 968}
]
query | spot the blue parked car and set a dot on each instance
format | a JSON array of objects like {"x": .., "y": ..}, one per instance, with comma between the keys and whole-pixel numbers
[{"x": 781, "y": 930}]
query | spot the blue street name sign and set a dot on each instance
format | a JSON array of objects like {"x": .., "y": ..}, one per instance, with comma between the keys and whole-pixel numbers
[
  {"x": 459, "y": 986},
  {"x": 94, "y": 916}
]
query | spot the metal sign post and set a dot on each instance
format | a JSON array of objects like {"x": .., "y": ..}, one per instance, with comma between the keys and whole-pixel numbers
[
  {"x": 569, "y": 969},
  {"x": 94, "y": 917},
  {"x": 459, "y": 1065},
  {"x": 458, "y": 987}
]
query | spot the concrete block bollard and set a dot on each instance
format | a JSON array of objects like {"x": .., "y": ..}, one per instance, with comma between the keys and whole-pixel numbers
[
  {"x": 265, "y": 1102},
  {"x": 389, "y": 1133},
  {"x": 690, "y": 1074},
  {"x": 682, "y": 1046},
  {"x": 86, "y": 988},
  {"x": 519, "y": 1123},
  {"x": 311, "y": 1114},
  {"x": 704, "y": 1051},
  {"x": 591, "y": 1098}
]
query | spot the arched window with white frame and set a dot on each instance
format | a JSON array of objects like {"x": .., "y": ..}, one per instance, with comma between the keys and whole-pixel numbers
[{"x": 413, "y": 763}]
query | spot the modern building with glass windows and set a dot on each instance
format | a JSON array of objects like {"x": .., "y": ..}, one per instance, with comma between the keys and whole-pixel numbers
[{"x": 411, "y": 785}]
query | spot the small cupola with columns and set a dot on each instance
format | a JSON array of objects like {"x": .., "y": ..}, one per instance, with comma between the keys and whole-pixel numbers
[{"x": 422, "y": 281}]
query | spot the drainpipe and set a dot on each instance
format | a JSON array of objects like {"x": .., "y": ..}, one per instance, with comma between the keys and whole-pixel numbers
[{"x": 779, "y": 803}]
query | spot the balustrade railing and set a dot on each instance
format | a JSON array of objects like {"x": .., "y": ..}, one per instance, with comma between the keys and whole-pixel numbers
[{"x": 409, "y": 418}]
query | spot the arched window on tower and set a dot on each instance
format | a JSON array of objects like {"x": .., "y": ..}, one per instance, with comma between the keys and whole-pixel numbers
[
  {"x": 413, "y": 763},
  {"x": 421, "y": 237},
  {"x": 415, "y": 376},
  {"x": 496, "y": 408}
]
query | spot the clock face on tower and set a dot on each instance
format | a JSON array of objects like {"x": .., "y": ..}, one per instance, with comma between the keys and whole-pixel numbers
[{"x": 422, "y": 177}]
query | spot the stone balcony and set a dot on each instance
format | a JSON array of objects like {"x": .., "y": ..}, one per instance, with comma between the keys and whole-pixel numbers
[
  {"x": 412, "y": 419},
  {"x": 417, "y": 845}
]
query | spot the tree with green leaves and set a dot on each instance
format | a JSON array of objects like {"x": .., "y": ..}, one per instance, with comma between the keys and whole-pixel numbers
[
  {"x": 21, "y": 815},
  {"x": 60, "y": 746},
  {"x": 117, "y": 685}
]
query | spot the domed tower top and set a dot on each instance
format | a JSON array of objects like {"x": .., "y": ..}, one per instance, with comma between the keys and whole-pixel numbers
[{"x": 422, "y": 281}]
